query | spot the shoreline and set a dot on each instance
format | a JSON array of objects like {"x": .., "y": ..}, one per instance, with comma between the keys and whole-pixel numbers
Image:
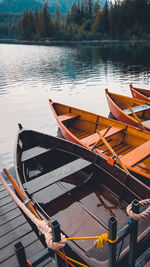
[{"x": 67, "y": 42}]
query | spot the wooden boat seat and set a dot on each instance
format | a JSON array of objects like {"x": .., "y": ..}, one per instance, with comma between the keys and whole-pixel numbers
[
  {"x": 136, "y": 109},
  {"x": 136, "y": 154},
  {"x": 56, "y": 175},
  {"x": 91, "y": 139},
  {"x": 68, "y": 116},
  {"x": 33, "y": 152}
]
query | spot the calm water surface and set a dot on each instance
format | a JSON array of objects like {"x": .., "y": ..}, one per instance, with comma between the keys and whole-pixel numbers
[{"x": 73, "y": 75}]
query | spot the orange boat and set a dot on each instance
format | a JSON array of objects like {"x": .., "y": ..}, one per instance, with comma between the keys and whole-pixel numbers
[
  {"x": 140, "y": 93},
  {"x": 112, "y": 139},
  {"x": 130, "y": 110}
]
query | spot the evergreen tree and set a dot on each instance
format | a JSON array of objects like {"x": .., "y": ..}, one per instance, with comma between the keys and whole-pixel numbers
[
  {"x": 47, "y": 21},
  {"x": 104, "y": 20}
]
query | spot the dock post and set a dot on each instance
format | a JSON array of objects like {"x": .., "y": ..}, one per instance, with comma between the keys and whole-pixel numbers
[
  {"x": 20, "y": 254},
  {"x": 112, "y": 228},
  {"x": 56, "y": 238},
  {"x": 133, "y": 235}
]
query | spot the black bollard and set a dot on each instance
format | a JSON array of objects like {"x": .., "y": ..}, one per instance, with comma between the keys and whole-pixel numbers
[
  {"x": 56, "y": 238},
  {"x": 112, "y": 228},
  {"x": 20, "y": 254}
]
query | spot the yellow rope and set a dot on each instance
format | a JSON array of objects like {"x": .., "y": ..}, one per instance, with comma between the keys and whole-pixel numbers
[
  {"x": 70, "y": 259},
  {"x": 100, "y": 239}
]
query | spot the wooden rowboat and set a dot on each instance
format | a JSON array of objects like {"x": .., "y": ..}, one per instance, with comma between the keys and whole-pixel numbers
[
  {"x": 140, "y": 93},
  {"x": 130, "y": 144},
  {"x": 76, "y": 187},
  {"x": 129, "y": 110}
]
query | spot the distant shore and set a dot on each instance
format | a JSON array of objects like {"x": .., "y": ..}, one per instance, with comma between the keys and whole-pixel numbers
[{"x": 65, "y": 42}]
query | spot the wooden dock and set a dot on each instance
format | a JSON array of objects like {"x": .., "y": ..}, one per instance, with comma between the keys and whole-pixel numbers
[{"x": 14, "y": 228}]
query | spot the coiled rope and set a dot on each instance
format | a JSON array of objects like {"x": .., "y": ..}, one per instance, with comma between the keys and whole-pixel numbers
[{"x": 141, "y": 215}]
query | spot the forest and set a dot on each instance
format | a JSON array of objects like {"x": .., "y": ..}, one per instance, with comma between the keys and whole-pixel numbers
[{"x": 86, "y": 20}]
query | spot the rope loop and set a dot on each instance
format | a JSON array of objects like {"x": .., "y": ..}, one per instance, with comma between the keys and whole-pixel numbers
[{"x": 143, "y": 214}]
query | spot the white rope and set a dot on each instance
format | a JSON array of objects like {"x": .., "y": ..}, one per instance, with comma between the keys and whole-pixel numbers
[
  {"x": 42, "y": 225},
  {"x": 141, "y": 215}
]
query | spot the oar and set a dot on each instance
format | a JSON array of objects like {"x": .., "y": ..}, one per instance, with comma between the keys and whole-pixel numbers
[
  {"x": 113, "y": 152},
  {"x": 138, "y": 120},
  {"x": 100, "y": 137},
  {"x": 21, "y": 194}
]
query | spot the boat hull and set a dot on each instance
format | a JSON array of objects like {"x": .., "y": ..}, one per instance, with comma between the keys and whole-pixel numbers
[
  {"x": 81, "y": 197},
  {"x": 118, "y": 114},
  {"x": 139, "y": 93}
]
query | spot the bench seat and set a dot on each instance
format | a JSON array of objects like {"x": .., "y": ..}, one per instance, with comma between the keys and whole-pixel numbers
[
  {"x": 56, "y": 175},
  {"x": 136, "y": 109},
  {"x": 136, "y": 154},
  {"x": 91, "y": 139},
  {"x": 68, "y": 116},
  {"x": 33, "y": 152}
]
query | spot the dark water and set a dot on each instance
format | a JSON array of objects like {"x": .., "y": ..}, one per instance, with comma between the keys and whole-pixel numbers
[{"x": 74, "y": 75}]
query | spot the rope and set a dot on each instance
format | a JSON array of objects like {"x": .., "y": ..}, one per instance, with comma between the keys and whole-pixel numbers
[
  {"x": 100, "y": 239},
  {"x": 143, "y": 214},
  {"x": 41, "y": 224},
  {"x": 64, "y": 257},
  {"x": 70, "y": 259}
]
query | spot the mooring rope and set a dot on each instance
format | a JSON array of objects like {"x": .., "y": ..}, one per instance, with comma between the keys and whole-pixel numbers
[
  {"x": 141, "y": 215},
  {"x": 42, "y": 225}
]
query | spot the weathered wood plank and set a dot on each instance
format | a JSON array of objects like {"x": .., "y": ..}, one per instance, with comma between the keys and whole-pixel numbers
[
  {"x": 6, "y": 208},
  {"x": 12, "y": 225},
  {"x": 15, "y": 235},
  {"x": 2, "y": 188},
  {"x": 5, "y": 201},
  {"x": 9, "y": 216},
  {"x": 26, "y": 240},
  {"x": 3, "y": 194},
  {"x": 11, "y": 261}
]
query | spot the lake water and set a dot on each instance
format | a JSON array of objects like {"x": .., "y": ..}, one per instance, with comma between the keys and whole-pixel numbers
[{"x": 75, "y": 75}]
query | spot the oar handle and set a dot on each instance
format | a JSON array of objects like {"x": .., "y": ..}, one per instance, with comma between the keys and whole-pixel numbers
[
  {"x": 106, "y": 131},
  {"x": 21, "y": 193},
  {"x": 15, "y": 185}
]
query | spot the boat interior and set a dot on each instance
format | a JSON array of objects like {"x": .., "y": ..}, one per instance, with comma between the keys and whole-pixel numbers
[
  {"x": 124, "y": 140},
  {"x": 139, "y": 107}
]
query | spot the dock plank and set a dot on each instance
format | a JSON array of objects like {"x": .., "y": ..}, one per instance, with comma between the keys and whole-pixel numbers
[
  {"x": 7, "y": 217},
  {"x": 12, "y": 225},
  {"x": 14, "y": 228},
  {"x": 9, "y": 250},
  {"x": 15, "y": 235},
  {"x": 6, "y": 208},
  {"x": 5, "y": 201},
  {"x": 3, "y": 194}
]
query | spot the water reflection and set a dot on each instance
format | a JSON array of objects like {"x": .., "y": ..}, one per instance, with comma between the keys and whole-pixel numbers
[{"x": 72, "y": 74}]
